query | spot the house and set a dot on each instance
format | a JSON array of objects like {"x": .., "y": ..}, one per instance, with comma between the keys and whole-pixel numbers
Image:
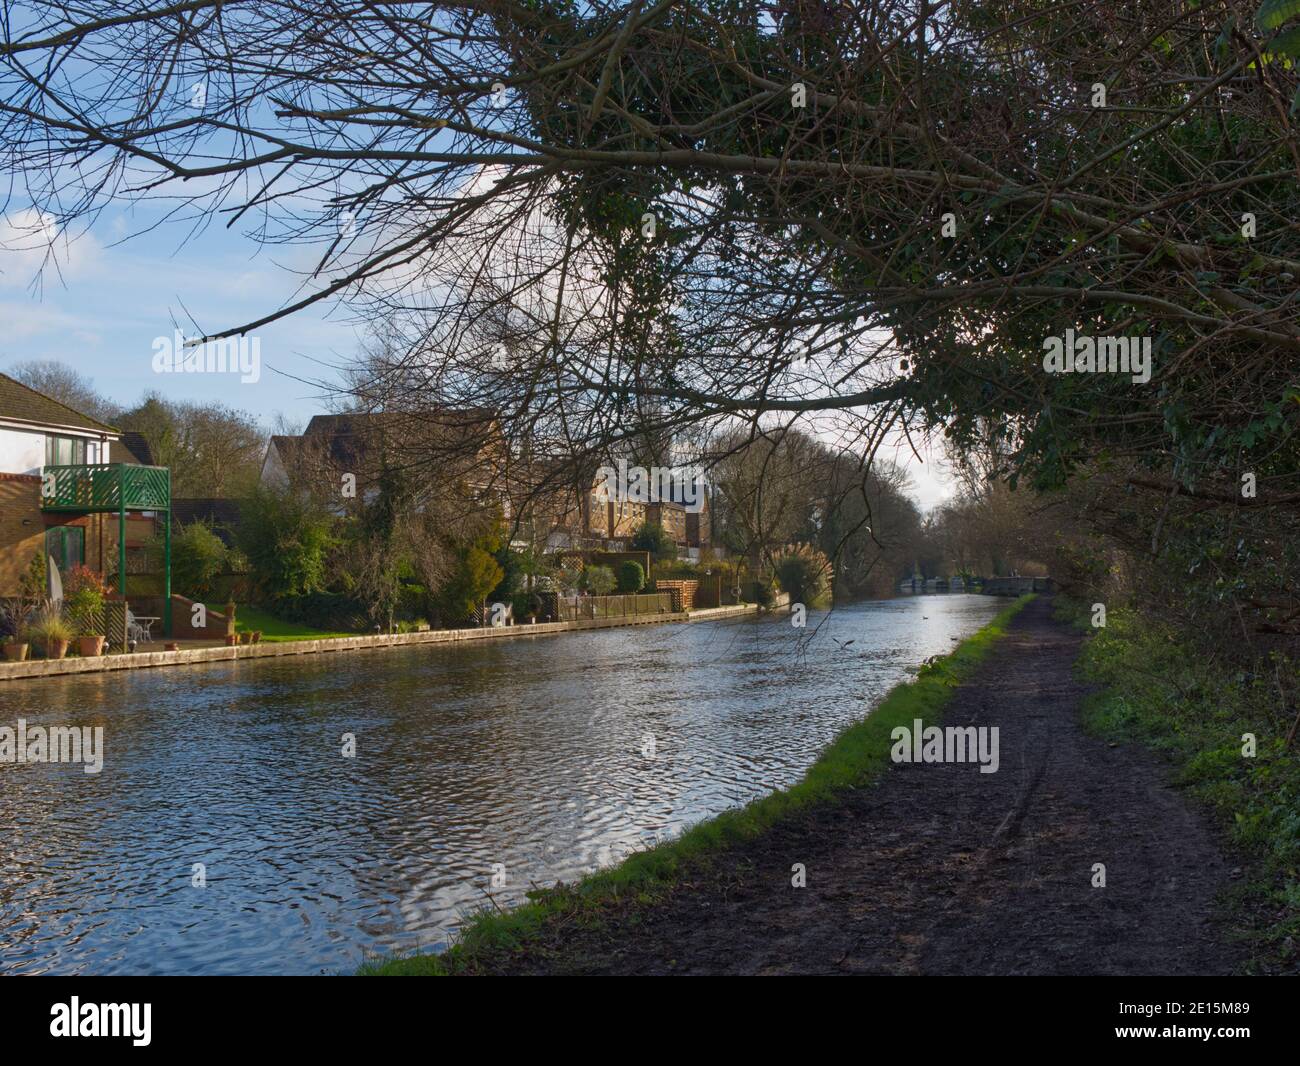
[
  {"x": 610, "y": 519},
  {"x": 343, "y": 457},
  {"x": 65, "y": 491},
  {"x": 575, "y": 507},
  {"x": 687, "y": 516},
  {"x": 670, "y": 516}
]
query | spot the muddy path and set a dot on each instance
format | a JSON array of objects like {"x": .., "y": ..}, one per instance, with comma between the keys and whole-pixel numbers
[{"x": 940, "y": 869}]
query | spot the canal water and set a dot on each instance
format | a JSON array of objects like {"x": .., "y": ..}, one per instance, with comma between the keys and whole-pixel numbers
[{"x": 228, "y": 833}]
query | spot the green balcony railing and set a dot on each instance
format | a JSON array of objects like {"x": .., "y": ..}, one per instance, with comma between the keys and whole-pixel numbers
[
  {"x": 117, "y": 488},
  {"x": 105, "y": 487}
]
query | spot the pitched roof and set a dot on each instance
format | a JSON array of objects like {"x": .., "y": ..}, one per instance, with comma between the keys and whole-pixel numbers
[
  {"x": 347, "y": 439},
  {"x": 24, "y": 404},
  {"x": 222, "y": 515},
  {"x": 137, "y": 447}
]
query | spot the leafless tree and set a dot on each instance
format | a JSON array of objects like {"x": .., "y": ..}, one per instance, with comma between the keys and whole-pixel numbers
[{"x": 606, "y": 223}]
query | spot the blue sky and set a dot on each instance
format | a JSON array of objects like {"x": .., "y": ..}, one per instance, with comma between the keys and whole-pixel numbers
[
  {"x": 128, "y": 280},
  {"x": 114, "y": 293}
]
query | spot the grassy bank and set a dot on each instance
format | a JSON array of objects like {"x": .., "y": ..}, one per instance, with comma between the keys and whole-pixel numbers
[
  {"x": 1160, "y": 692},
  {"x": 856, "y": 757}
]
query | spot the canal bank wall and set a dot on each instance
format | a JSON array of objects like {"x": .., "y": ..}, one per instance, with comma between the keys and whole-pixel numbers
[{"x": 10, "y": 671}]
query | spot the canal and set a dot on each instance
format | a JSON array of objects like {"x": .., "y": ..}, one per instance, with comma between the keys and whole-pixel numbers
[{"x": 228, "y": 832}]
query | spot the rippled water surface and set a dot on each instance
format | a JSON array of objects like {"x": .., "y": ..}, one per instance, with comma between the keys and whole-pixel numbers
[{"x": 530, "y": 753}]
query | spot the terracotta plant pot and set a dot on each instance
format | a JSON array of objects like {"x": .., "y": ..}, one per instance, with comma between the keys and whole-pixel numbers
[
  {"x": 90, "y": 646},
  {"x": 56, "y": 649},
  {"x": 257, "y": 636},
  {"x": 232, "y": 639},
  {"x": 171, "y": 645},
  {"x": 15, "y": 652},
  {"x": 245, "y": 638}
]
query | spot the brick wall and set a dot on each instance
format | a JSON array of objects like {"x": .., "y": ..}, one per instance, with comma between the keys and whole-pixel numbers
[
  {"x": 182, "y": 613},
  {"x": 23, "y": 525},
  {"x": 20, "y": 501}
]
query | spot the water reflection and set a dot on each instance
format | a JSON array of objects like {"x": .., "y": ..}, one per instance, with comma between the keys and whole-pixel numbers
[{"x": 526, "y": 757}]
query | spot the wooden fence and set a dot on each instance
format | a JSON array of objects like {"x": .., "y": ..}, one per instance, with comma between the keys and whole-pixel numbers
[{"x": 578, "y": 608}]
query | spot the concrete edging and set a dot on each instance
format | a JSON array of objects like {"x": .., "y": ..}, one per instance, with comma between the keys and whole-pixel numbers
[{"x": 139, "y": 660}]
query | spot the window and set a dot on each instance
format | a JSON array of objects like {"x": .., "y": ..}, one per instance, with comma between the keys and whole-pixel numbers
[
  {"x": 65, "y": 451},
  {"x": 66, "y": 545}
]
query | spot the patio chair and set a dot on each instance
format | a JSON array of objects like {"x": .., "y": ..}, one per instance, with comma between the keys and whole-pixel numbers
[{"x": 138, "y": 631}]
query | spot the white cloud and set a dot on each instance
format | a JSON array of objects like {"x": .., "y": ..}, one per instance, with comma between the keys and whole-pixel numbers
[
  {"x": 34, "y": 249},
  {"x": 24, "y": 319}
]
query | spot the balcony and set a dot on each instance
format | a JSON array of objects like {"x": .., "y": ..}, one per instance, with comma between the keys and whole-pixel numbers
[{"x": 115, "y": 487}]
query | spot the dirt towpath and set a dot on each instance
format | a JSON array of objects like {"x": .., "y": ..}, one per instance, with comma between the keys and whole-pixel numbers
[{"x": 939, "y": 869}]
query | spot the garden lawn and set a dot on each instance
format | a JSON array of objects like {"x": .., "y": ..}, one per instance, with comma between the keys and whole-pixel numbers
[{"x": 274, "y": 629}]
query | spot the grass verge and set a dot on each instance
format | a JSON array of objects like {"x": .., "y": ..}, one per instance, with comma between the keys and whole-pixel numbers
[
  {"x": 274, "y": 629},
  {"x": 1160, "y": 692},
  {"x": 856, "y": 757}
]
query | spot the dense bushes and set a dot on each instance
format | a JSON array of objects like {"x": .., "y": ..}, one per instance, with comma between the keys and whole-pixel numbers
[
  {"x": 199, "y": 558},
  {"x": 651, "y": 538},
  {"x": 476, "y": 574},
  {"x": 805, "y": 573},
  {"x": 599, "y": 580},
  {"x": 631, "y": 576},
  {"x": 286, "y": 538},
  {"x": 322, "y": 610}
]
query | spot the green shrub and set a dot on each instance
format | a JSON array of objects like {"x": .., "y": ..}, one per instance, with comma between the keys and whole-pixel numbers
[
  {"x": 804, "y": 572},
  {"x": 286, "y": 537},
  {"x": 631, "y": 576},
  {"x": 676, "y": 570},
  {"x": 599, "y": 580},
  {"x": 650, "y": 537},
  {"x": 323, "y": 610},
  {"x": 143, "y": 585},
  {"x": 199, "y": 557},
  {"x": 477, "y": 573},
  {"x": 33, "y": 582},
  {"x": 412, "y": 603},
  {"x": 525, "y": 604}
]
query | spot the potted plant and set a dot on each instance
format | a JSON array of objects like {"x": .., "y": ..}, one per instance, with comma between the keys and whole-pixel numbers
[
  {"x": 90, "y": 644},
  {"x": 257, "y": 636},
  {"x": 15, "y": 651},
  {"x": 50, "y": 632},
  {"x": 13, "y": 621},
  {"x": 84, "y": 594}
]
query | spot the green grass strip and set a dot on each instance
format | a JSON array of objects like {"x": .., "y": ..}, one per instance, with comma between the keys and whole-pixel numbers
[{"x": 856, "y": 757}]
